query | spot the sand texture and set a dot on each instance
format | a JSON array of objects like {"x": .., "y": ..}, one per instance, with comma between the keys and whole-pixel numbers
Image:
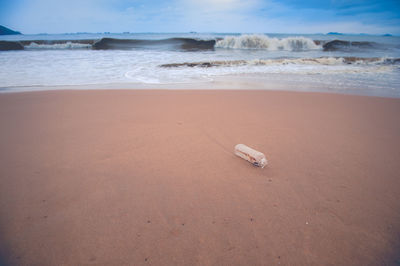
[{"x": 150, "y": 178}]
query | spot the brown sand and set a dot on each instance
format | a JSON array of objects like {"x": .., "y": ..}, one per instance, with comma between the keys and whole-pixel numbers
[{"x": 149, "y": 177}]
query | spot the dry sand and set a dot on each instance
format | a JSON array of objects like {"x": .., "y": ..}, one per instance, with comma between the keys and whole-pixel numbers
[{"x": 150, "y": 178}]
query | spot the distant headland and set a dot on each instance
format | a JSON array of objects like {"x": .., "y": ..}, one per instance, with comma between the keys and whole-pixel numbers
[
  {"x": 334, "y": 33},
  {"x": 7, "y": 31}
]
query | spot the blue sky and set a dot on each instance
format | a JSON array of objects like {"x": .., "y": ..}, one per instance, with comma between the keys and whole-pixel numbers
[{"x": 251, "y": 16}]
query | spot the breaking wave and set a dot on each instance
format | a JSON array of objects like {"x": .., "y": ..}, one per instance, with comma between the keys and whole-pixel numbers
[
  {"x": 267, "y": 43},
  {"x": 58, "y": 46},
  {"x": 294, "y": 61},
  {"x": 179, "y": 44},
  {"x": 246, "y": 42},
  {"x": 347, "y": 46},
  {"x": 185, "y": 44}
]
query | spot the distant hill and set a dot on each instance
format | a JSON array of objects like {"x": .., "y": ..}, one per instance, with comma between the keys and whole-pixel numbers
[{"x": 7, "y": 31}]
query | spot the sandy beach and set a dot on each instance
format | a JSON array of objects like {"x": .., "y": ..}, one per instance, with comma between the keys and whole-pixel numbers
[{"x": 136, "y": 177}]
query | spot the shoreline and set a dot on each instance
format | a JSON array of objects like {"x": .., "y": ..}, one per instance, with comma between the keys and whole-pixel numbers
[
  {"x": 226, "y": 83},
  {"x": 256, "y": 82},
  {"x": 123, "y": 177}
]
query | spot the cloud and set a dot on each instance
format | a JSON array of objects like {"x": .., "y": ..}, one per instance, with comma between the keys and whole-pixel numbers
[
  {"x": 52, "y": 16},
  {"x": 350, "y": 16},
  {"x": 218, "y": 15},
  {"x": 218, "y": 5},
  {"x": 286, "y": 16}
]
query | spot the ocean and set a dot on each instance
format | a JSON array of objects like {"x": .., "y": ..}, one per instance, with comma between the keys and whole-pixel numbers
[{"x": 355, "y": 64}]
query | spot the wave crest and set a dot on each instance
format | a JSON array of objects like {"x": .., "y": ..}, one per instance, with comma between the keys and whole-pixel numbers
[
  {"x": 185, "y": 44},
  {"x": 58, "y": 46},
  {"x": 267, "y": 43},
  {"x": 327, "y": 61}
]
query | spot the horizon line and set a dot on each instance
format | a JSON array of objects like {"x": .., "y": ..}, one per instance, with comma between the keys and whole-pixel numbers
[{"x": 204, "y": 32}]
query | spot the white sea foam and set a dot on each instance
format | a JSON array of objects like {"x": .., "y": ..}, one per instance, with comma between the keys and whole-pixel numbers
[
  {"x": 267, "y": 43},
  {"x": 328, "y": 61},
  {"x": 324, "y": 61},
  {"x": 58, "y": 46},
  {"x": 60, "y": 61}
]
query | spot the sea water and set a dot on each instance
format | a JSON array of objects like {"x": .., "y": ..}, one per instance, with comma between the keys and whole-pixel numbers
[{"x": 360, "y": 64}]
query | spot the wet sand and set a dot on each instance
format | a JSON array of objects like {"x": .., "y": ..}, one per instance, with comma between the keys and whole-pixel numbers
[{"x": 150, "y": 178}]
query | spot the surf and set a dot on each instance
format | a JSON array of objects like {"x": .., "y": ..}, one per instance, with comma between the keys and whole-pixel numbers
[
  {"x": 263, "y": 42},
  {"x": 185, "y": 44},
  {"x": 290, "y": 61}
]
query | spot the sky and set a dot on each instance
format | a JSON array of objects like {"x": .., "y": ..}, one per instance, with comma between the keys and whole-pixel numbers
[{"x": 251, "y": 16}]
